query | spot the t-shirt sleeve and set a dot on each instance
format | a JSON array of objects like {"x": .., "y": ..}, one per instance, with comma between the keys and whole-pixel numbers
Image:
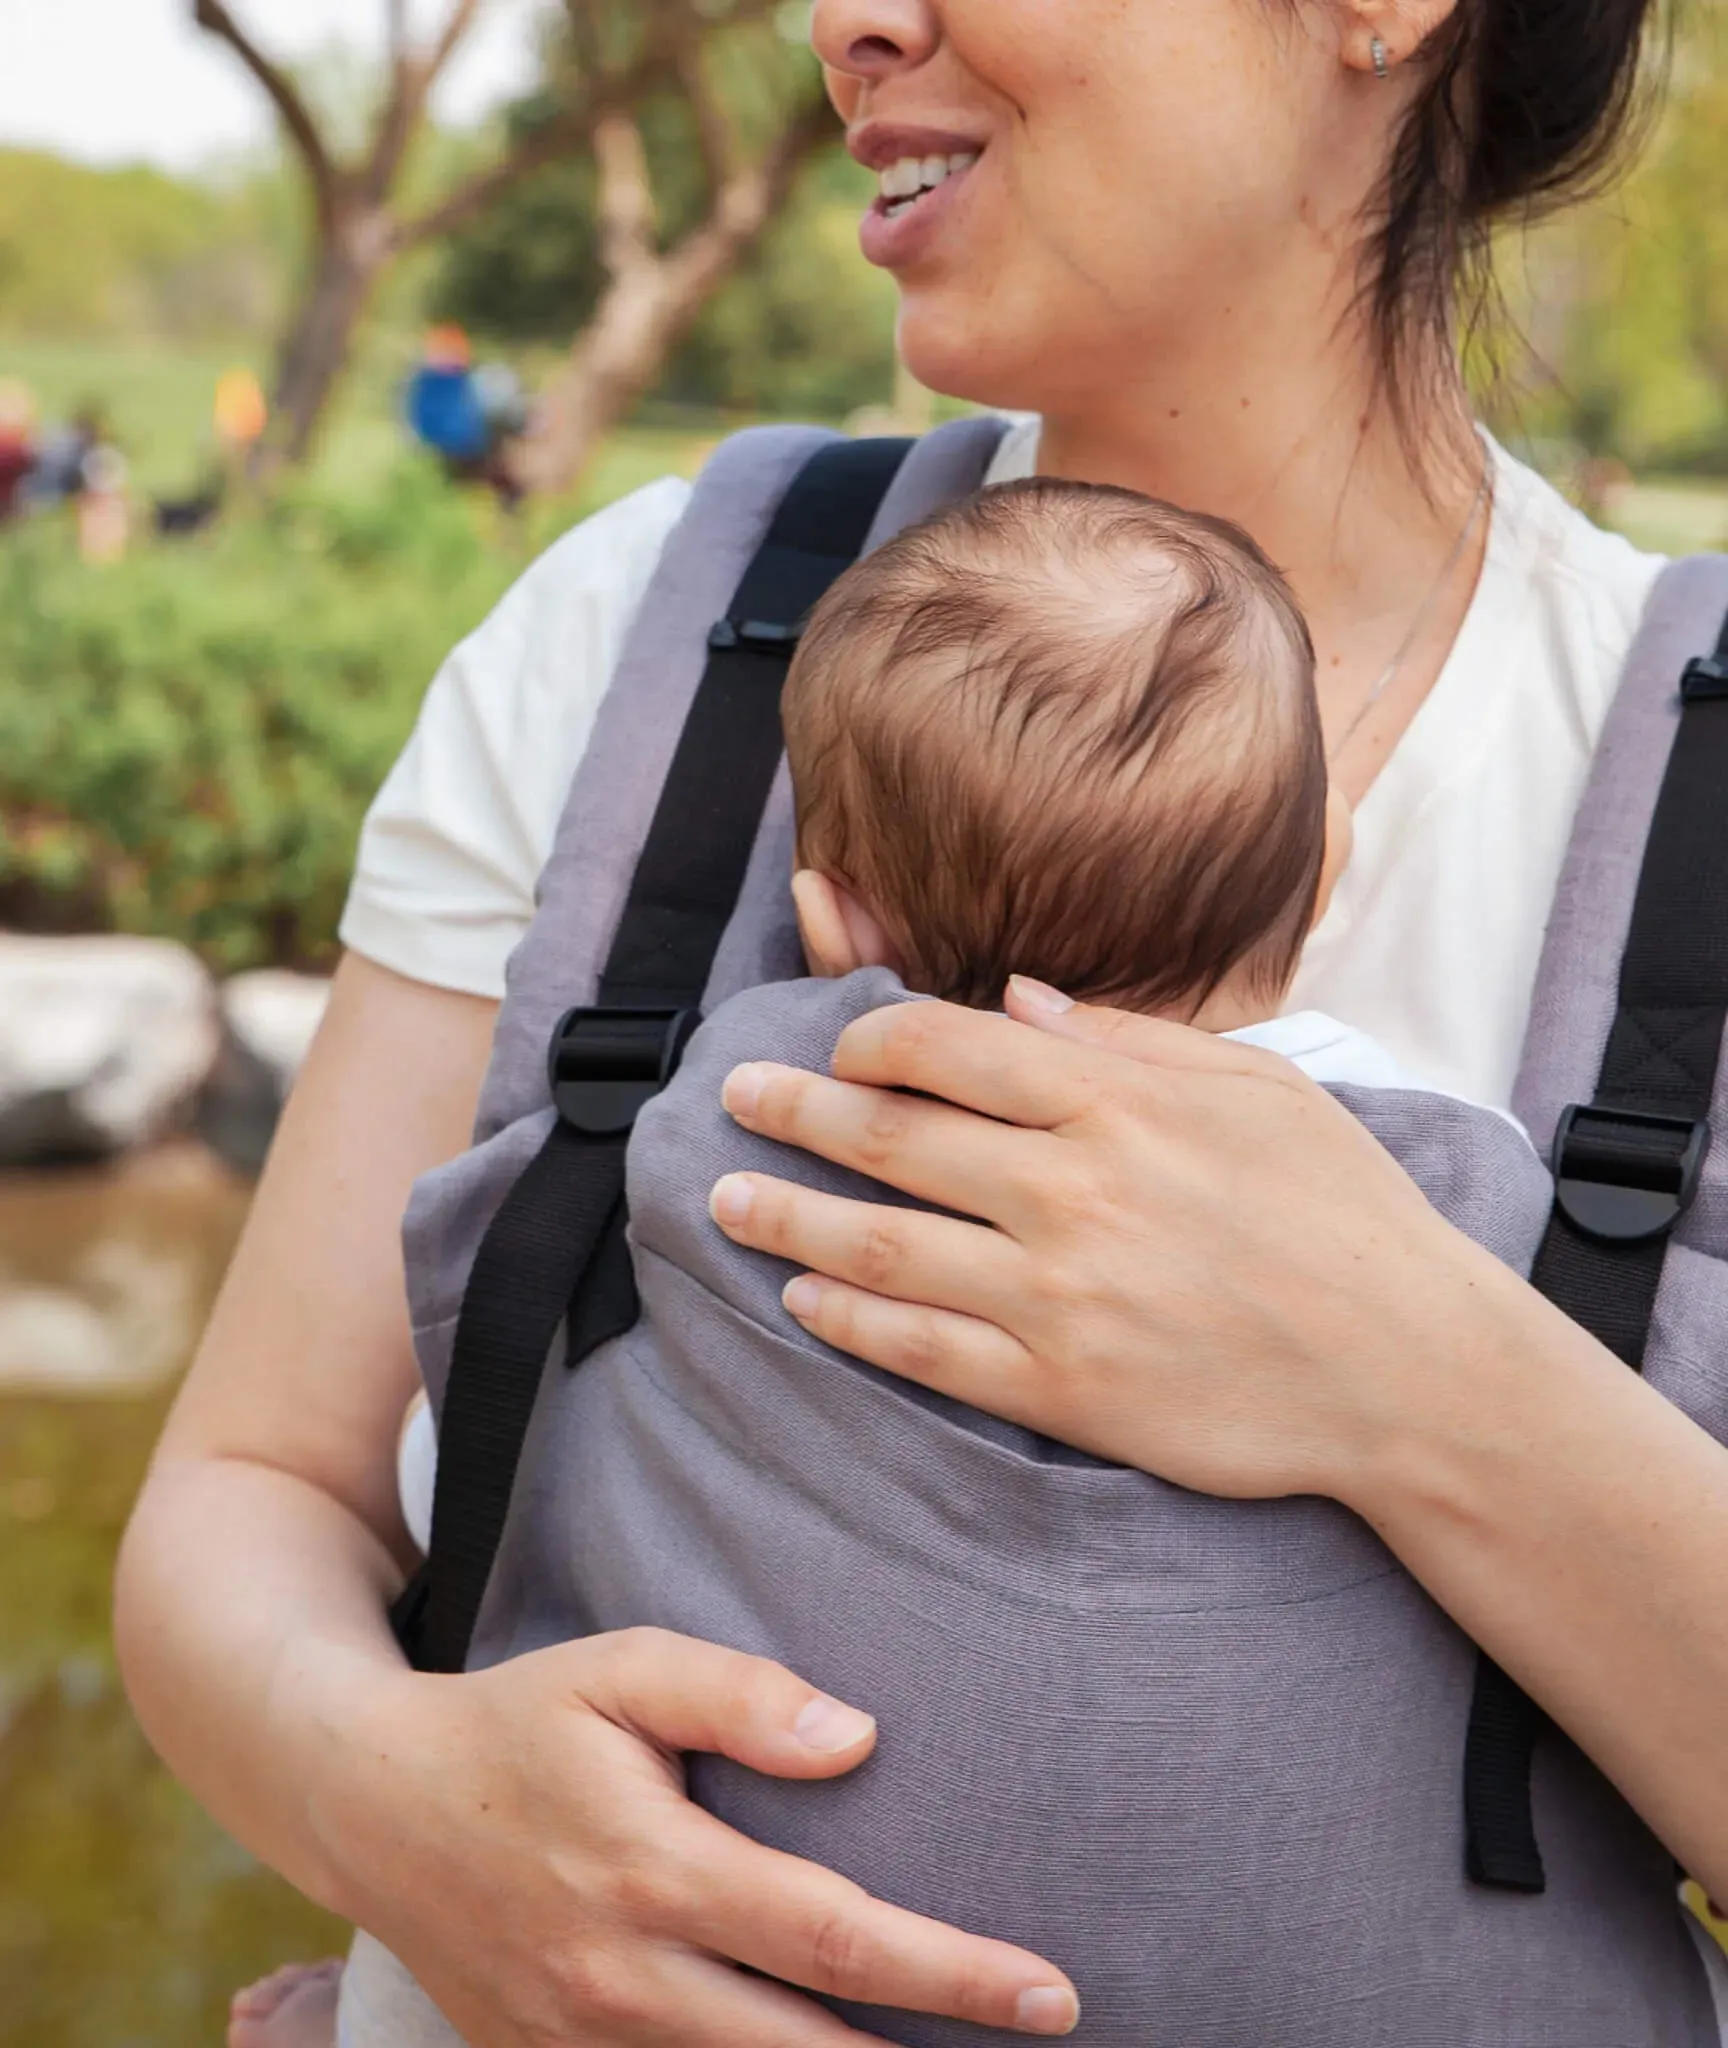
[{"x": 455, "y": 840}]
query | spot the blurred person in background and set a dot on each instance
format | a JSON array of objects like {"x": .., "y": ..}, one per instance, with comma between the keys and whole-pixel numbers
[
  {"x": 17, "y": 443},
  {"x": 467, "y": 416},
  {"x": 59, "y": 475}
]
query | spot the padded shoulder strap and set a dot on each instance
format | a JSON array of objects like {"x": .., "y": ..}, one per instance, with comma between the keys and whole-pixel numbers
[
  {"x": 1627, "y": 1161},
  {"x": 556, "y": 1245}
]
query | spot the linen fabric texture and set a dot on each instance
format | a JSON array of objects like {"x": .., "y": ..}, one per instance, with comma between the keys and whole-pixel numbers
[{"x": 1204, "y": 1754}]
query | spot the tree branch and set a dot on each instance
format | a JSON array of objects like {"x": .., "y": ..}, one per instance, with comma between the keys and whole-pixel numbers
[
  {"x": 296, "y": 117},
  {"x": 411, "y": 82},
  {"x": 717, "y": 139},
  {"x": 562, "y": 136},
  {"x": 626, "y": 216}
]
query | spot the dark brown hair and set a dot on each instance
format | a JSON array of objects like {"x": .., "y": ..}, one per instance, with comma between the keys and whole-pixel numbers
[
  {"x": 1523, "y": 105},
  {"x": 1067, "y": 731}
]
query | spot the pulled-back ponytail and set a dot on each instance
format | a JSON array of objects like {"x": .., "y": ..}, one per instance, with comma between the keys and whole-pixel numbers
[{"x": 1525, "y": 105}]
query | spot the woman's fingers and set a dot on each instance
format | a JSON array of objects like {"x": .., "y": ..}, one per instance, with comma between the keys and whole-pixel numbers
[
  {"x": 978, "y": 1060},
  {"x": 966, "y": 1356},
  {"x": 1148, "y": 1041},
  {"x": 926, "y": 1149},
  {"x": 706, "y": 1887},
  {"x": 682, "y": 1694},
  {"x": 907, "y": 1253},
  {"x": 807, "y": 1926},
  {"x": 741, "y": 2011}
]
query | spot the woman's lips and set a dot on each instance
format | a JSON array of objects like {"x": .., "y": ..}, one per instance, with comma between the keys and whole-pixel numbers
[{"x": 892, "y": 239}]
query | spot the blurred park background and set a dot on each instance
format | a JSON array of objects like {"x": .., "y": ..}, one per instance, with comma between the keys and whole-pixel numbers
[{"x": 245, "y": 508}]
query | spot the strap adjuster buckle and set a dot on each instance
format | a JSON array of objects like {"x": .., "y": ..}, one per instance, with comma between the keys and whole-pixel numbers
[
  {"x": 759, "y": 636},
  {"x": 1626, "y": 1175},
  {"x": 1704, "y": 679},
  {"x": 606, "y": 1065}
]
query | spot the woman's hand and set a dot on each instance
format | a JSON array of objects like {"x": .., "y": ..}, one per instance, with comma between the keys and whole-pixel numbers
[
  {"x": 519, "y": 1837},
  {"x": 1193, "y": 1261},
  {"x": 534, "y": 1861},
  {"x": 1190, "y": 1259}
]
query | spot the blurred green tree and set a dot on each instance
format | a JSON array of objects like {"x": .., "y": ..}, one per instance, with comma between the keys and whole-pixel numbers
[
  {"x": 359, "y": 226},
  {"x": 684, "y": 183},
  {"x": 801, "y": 326},
  {"x": 754, "y": 113},
  {"x": 1626, "y": 301}
]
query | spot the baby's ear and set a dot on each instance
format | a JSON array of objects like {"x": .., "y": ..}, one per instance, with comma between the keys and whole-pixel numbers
[{"x": 841, "y": 933}]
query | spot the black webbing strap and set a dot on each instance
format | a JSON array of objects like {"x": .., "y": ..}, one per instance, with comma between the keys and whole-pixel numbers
[
  {"x": 1626, "y": 1168},
  {"x": 555, "y": 1252}
]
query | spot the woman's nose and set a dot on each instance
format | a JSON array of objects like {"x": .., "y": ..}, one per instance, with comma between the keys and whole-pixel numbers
[{"x": 871, "y": 39}]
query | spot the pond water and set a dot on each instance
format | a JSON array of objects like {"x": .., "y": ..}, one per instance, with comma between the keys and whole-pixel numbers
[{"x": 126, "y": 1917}]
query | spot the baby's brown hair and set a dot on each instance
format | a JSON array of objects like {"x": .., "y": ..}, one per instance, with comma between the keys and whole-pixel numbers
[{"x": 1066, "y": 731}]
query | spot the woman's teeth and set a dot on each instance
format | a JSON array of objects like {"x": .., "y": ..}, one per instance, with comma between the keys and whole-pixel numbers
[{"x": 905, "y": 183}]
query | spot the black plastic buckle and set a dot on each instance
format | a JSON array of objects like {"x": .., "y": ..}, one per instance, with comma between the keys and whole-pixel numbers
[
  {"x": 1626, "y": 1175},
  {"x": 760, "y": 636},
  {"x": 1705, "y": 679},
  {"x": 607, "y": 1065}
]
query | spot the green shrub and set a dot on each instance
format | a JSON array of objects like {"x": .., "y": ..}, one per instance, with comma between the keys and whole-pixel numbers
[{"x": 189, "y": 739}]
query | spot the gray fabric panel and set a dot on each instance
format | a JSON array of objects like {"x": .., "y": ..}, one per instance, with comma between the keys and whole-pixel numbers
[
  {"x": 1573, "y": 1002},
  {"x": 948, "y": 464},
  {"x": 1203, "y": 1752},
  {"x": 606, "y": 822},
  {"x": 1577, "y": 986},
  {"x": 617, "y": 786}
]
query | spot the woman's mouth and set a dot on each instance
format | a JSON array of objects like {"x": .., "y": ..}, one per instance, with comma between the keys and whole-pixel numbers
[
  {"x": 908, "y": 179},
  {"x": 916, "y": 193}
]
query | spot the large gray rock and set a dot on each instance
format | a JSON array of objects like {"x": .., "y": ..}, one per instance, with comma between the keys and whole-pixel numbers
[
  {"x": 268, "y": 1022},
  {"x": 104, "y": 1044}
]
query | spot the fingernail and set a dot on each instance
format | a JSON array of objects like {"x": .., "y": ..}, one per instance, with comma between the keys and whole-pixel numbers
[
  {"x": 729, "y": 1204},
  {"x": 1039, "y": 995},
  {"x": 742, "y": 1093},
  {"x": 1050, "y": 2009},
  {"x": 828, "y": 1725},
  {"x": 802, "y": 1297}
]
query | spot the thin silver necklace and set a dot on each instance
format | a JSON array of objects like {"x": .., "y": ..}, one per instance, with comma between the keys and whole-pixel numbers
[{"x": 1390, "y": 672}]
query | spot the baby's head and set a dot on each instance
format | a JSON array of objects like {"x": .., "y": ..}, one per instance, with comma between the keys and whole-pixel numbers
[{"x": 1063, "y": 731}]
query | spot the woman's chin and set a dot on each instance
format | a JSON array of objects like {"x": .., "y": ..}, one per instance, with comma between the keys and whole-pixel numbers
[{"x": 952, "y": 352}]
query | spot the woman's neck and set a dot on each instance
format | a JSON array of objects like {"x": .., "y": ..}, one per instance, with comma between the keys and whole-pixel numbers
[{"x": 1315, "y": 468}]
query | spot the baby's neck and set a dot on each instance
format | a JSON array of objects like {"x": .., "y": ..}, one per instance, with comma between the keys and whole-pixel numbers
[{"x": 1231, "y": 1009}]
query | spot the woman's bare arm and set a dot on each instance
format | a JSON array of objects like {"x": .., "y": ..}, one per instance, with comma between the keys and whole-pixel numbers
[
  {"x": 269, "y": 1521},
  {"x": 520, "y": 1837},
  {"x": 1202, "y": 1266}
]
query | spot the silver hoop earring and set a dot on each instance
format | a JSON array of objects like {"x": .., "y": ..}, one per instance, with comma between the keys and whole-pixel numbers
[{"x": 1377, "y": 56}]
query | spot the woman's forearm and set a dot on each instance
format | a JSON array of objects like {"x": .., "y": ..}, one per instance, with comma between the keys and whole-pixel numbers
[
  {"x": 236, "y": 1683},
  {"x": 1576, "y": 1524}
]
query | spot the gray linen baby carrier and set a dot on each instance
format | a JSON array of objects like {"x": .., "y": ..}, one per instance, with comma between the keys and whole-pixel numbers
[{"x": 1204, "y": 1754}]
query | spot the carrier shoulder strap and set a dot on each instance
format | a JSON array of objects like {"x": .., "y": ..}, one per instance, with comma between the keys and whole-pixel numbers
[
  {"x": 1626, "y": 1168},
  {"x": 556, "y": 1248}
]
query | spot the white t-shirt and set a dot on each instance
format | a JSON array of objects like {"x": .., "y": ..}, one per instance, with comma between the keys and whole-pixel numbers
[{"x": 1432, "y": 939}]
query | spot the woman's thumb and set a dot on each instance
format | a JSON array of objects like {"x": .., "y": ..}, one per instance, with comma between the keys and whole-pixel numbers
[{"x": 681, "y": 1694}]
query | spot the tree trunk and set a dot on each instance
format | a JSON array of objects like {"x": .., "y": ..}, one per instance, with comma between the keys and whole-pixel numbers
[
  {"x": 618, "y": 358},
  {"x": 320, "y": 341}
]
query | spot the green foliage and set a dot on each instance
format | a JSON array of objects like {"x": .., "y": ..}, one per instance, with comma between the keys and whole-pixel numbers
[
  {"x": 803, "y": 327},
  {"x": 1626, "y": 300},
  {"x": 134, "y": 252},
  {"x": 189, "y": 739}
]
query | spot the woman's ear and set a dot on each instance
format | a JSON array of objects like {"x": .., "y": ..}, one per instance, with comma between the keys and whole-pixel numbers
[
  {"x": 840, "y": 932},
  {"x": 1379, "y": 35},
  {"x": 1340, "y": 838}
]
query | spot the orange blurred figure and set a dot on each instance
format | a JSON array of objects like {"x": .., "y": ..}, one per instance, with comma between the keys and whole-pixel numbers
[{"x": 240, "y": 412}]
